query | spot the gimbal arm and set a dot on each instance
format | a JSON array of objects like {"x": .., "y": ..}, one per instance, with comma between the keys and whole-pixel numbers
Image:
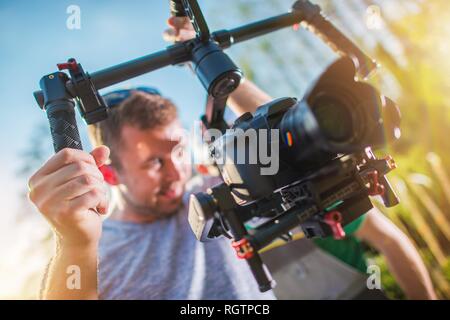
[{"x": 309, "y": 15}]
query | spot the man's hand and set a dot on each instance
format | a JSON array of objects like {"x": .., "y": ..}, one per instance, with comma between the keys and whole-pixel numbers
[
  {"x": 70, "y": 192},
  {"x": 180, "y": 29},
  {"x": 247, "y": 97}
]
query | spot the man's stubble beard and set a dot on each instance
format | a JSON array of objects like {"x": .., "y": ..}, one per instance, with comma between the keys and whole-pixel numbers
[{"x": 147, "y": 210}]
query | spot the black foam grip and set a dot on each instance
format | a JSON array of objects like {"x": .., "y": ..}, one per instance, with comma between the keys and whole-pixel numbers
[
  {"x": 325, "y": 30},
  {"x": 177, "y": 8},
  {"x": 261, "y": 273},
  {"x": 64, "y": 130}
]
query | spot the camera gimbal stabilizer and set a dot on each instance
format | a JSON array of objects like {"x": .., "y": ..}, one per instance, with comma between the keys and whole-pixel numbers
[{"x": 287, "y": 201}]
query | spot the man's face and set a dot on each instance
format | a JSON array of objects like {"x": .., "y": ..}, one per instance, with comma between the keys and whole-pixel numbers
[{"x": 153, "y": 174}]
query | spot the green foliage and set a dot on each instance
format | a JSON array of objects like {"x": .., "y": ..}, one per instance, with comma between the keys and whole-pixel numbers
[
  {"x": 447, "y": 270},
  {"x": 388, "y": 283}
]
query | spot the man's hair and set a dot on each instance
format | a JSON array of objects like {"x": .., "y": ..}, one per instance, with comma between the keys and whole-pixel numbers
[{"x": 141, "y": 110}]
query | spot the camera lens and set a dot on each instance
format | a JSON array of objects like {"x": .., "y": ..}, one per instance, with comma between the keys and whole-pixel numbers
[{"x": 334, "y": 119}]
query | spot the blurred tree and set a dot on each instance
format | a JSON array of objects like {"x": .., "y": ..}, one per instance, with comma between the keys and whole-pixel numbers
[{"x": 34, "y": 249}]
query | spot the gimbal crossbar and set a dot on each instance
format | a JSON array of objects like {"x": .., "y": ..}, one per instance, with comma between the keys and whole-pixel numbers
[{"x": 217, "y": 73}]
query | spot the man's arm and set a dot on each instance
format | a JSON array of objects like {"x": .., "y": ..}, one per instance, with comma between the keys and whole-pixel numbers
[
  {"x": 402, "y": 257},
  {"x": 71, "y": 274},
  {"x": 70, "y": 193},
  {"x": 247, "y": 98}
]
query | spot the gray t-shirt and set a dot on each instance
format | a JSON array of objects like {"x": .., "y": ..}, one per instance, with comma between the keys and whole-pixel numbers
[{"x": 163, "y": 260}]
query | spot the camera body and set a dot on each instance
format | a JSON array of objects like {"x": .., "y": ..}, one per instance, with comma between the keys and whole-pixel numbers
[{"x": 337, "y": 116}]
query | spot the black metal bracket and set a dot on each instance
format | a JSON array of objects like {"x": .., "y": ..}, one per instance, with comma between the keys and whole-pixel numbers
[{"x": 91, "y": 105}]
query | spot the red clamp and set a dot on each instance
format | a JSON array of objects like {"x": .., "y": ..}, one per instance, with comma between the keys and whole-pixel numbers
[
  {"x": 71, "y": 65},
  {"x": 243, "y": 248},
  {"x": 334, "y": 219},
  {"x": 375, "y": 188}
]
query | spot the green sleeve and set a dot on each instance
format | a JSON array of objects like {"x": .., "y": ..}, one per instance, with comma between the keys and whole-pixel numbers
[
  {"x": 354, "y": 226},
  {"x": 348, "y": 250}
]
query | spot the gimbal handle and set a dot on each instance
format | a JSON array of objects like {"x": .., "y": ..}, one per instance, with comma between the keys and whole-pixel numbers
[
  {"x": 60, "y": 110},
  {"x": 318, "y": 24},
  {"x": 63, "y": 126},
  {"x": 226, "y": 204}
]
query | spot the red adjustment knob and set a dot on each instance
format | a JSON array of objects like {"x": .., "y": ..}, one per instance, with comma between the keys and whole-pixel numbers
[
  {"x": 243, "y": 248},
  {"x": 69, "y": 65},
  {"x": 390, "y": 162},
  {"x": 334, "y": 219}
]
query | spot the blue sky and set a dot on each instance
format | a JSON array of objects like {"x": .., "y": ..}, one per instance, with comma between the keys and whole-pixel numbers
[{"x": 34, "y": 37}]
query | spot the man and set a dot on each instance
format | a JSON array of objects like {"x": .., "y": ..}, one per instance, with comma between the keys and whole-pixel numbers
[{"x": 147, "y": 249}]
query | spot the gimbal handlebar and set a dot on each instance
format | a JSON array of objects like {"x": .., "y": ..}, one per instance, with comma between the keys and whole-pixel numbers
[{"x": 58, "y": 90}]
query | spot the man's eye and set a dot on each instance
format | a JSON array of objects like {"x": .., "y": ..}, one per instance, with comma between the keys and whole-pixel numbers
[{"x": 153, "y": 163}]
